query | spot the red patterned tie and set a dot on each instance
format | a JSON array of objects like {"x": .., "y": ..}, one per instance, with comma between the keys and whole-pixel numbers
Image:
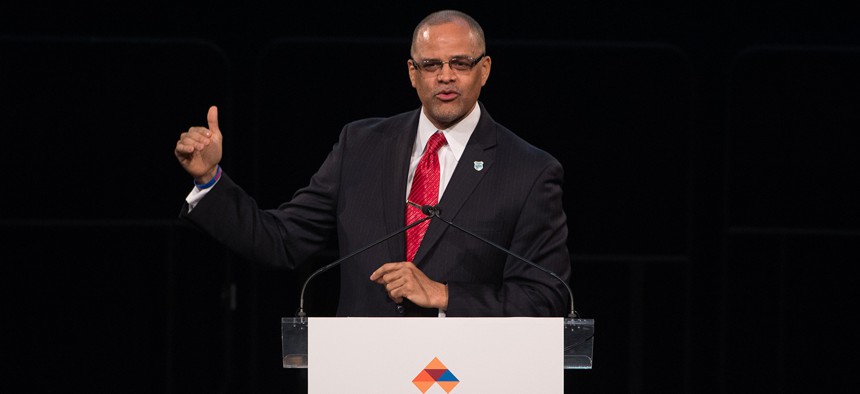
[{"x": 425, "y": 191}]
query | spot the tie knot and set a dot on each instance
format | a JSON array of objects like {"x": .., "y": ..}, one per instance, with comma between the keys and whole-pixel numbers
[{"x": 436, "y": 141}]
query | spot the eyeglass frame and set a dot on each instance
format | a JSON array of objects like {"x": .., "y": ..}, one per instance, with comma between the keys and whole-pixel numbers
[{"x": 420, "y": 67}]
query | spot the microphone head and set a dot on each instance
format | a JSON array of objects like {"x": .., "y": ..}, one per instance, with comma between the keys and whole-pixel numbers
[{"x": 430, "y": 210}]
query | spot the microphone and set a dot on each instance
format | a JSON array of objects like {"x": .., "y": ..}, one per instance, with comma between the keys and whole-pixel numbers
[
  {"x": 429, "y": 210},
  {"x": 434, "y": 212},
  {"x": 301, "y": 313}
]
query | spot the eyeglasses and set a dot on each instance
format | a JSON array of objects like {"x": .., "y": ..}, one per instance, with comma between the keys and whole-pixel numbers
[{"x": 456, "y": 63}]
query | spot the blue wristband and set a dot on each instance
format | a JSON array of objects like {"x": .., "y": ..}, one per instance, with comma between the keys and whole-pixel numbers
[{"x": 211, "y": 181}]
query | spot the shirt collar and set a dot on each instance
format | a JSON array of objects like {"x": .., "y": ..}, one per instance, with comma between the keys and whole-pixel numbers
[{"x": 457, "y": 135}]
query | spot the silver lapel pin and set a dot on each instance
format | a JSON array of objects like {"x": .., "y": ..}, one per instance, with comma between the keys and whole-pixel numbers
[{"x": 479, "y": 165}]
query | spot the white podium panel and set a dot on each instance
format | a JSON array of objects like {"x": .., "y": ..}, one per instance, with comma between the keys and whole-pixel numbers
[{"x": 435, "y": 355}]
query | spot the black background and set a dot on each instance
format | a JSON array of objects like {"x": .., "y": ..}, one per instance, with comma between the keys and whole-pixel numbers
[{"x": 709, "y": 148}]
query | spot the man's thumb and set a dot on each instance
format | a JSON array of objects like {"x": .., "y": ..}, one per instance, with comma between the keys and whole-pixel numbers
[{"x": 212, "y": 118}]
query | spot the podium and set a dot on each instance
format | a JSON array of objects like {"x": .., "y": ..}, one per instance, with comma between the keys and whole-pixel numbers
[{"x": 428, "y": 355}]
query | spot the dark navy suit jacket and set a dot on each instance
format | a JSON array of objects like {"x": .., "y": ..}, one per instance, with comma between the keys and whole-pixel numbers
[{"x": 359, "y": 194}]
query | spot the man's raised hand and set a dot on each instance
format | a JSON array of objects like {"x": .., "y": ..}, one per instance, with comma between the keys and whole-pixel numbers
[{"x": 199, "y": 149}]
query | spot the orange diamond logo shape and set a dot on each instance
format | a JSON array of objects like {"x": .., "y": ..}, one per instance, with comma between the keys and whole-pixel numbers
[{"x": 435, "y": 373}]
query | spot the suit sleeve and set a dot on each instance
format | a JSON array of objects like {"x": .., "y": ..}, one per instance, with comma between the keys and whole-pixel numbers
[
  {"x": 282, "y": 237},
  {"x": 540, "y": 236}
]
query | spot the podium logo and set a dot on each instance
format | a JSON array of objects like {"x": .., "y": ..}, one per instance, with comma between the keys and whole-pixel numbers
[{"x": 438, "y": 373}]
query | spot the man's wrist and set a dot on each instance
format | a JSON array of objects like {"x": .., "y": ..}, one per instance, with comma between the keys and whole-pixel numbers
[
  {"x": 443, "y": 301},
  {"x": 209, "y": 179}
]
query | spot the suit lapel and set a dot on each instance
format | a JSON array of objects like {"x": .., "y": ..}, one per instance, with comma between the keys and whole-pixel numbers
[
  {"x": 397, "y": 151},
  {"x": 479, "y": 149}
]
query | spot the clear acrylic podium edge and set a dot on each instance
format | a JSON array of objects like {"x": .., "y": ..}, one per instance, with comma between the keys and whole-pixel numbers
[{"x": 578, "y": 342}]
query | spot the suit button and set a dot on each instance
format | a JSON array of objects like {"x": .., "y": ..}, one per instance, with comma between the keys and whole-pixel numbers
[{"x": 400, "y": 309}]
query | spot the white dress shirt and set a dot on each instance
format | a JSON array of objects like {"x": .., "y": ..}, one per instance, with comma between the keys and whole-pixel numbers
[{"x": 449, "y": 154}]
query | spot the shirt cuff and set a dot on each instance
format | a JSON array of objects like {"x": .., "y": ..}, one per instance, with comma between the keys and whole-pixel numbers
[{"x": 195, "y": 196}]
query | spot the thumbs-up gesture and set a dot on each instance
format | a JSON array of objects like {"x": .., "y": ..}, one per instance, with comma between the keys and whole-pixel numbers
[{"x": 199, "y": 149}]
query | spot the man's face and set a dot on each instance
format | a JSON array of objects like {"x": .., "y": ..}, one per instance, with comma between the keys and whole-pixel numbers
[{"x": 448, "y": 94}]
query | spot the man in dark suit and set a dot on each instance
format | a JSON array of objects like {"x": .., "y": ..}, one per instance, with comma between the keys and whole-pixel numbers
[{"x": 449, "y": 152}]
